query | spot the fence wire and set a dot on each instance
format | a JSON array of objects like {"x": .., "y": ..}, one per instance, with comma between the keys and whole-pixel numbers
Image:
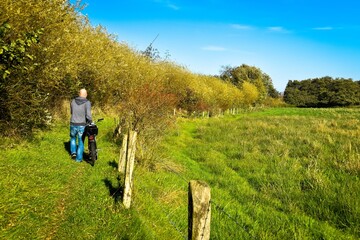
[
  {"x": 183, "y": 230},
  {"x": 234, "y": 219},
  {"x": 217, "y": 207},
  {"x": 180, "y": 228}
]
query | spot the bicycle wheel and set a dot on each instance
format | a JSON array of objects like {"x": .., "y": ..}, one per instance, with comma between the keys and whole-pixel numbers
[{"x": 93, "y": 152}]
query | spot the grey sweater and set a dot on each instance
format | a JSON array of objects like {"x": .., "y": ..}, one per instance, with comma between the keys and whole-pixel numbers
[{"x": 80, "y": 111}]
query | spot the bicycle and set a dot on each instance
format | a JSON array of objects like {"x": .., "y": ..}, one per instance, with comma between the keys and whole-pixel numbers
[{"x": 91, "y": 131}]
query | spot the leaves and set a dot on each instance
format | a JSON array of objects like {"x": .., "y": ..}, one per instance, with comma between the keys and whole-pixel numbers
[
  {"x": 253, "y": 75},
  {"x": 49, "y": 47},
  {"x": 322, "y": 92}
]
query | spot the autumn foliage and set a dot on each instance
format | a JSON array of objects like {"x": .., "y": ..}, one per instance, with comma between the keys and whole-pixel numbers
[{"x": 48, "y": 50}]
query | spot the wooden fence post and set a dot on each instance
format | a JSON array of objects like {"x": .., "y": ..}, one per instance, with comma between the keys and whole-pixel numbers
[
  {"x": 199, "y": 211},
  {"x": 123, "y": 153},
  {"x": 129, "y": 168}
]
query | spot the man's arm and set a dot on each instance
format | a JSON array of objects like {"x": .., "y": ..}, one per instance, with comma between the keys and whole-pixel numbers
[{"x": 88, "y": 112}]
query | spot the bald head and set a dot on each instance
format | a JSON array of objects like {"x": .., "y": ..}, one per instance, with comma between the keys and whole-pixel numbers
[{"x": 83, "y": 93}]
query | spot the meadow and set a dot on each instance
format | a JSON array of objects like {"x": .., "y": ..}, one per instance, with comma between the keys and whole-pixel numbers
[{"x": 281, "y": 173}]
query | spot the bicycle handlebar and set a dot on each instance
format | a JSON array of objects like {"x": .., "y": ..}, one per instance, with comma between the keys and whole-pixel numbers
[{"x": 92, "y": 123}]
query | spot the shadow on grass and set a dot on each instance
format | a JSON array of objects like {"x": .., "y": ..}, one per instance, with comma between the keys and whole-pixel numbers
[
  {"x": 87, "y": 159},
  {"x": 113, "y": 164},
  {"x": 67, "y": 147},
  {"x": 116, "y": 192}
]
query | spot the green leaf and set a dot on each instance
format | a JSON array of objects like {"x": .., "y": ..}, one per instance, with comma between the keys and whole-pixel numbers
[
  {"x": 30, "y": 57},
  {"x": 6, "y": 25},
  {"x": 6, "y": 73}
]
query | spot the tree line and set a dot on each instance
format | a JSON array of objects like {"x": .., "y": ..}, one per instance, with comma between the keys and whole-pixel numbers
[
  {"x": 49, "y": 50},
  {"x": 323, "y": 92}
]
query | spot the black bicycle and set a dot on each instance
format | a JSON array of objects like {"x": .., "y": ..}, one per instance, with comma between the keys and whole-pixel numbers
[{"x": 91, "y": 131}]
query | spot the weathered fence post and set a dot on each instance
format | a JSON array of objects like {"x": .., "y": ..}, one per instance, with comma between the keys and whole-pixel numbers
[
  {"x": 130, "y": 158},
  {"x": 199, "y": 211},
  {"x": 123, "y": 153}
]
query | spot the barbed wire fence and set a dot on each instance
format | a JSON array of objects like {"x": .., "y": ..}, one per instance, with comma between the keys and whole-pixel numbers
[
  {"x": 223, "y": 223},
  {"x": 171, "y": 215},
  {"x": 220, "y": 222},
  {"x": 243, "y": 230}
]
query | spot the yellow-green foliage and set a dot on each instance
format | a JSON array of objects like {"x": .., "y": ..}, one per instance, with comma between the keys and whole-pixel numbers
[
  {"x": 251, "y": 93},
  {"x": 72, "y": 54}
]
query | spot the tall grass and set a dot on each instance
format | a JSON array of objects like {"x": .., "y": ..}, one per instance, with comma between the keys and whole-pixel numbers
[
  {"x": 274, "y": 174},
  {"x": 280, "y": 173}
]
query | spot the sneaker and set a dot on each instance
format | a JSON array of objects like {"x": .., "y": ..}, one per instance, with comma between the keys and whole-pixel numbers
[{"x": 73, "y": 156}]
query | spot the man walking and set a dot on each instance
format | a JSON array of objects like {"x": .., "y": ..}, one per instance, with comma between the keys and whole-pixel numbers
[{"x": 80, "y": 115}]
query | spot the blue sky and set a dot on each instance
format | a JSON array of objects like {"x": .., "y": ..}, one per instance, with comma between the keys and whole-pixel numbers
[{"x": 287, "y": 39}]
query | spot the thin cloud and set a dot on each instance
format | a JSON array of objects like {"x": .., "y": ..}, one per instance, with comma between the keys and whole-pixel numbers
[
  {"x": 213, "y": 48},
  {"x": 323, "y": 28},
  {"x": 241, "y": 27},
  {"x": 278, "y": 29},
  {"x": 173, "y": 6},
  {"x": 168, "y": 4}
]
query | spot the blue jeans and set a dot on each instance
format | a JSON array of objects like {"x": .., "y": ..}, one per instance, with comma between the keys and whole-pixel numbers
[{"x": 77, "y": 132}]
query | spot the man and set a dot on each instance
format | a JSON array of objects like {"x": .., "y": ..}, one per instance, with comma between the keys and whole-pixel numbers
[{"x": 80, "y": 115}]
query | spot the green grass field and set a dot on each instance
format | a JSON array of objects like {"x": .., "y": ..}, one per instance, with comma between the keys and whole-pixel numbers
[{"x": 274, "y": 174}]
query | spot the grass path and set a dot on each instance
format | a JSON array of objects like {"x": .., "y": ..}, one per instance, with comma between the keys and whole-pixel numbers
[
  {"x": 40, "y": 184},
  {"x": 274, "y": 174},
  {"x": 59, "y": 212}
]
